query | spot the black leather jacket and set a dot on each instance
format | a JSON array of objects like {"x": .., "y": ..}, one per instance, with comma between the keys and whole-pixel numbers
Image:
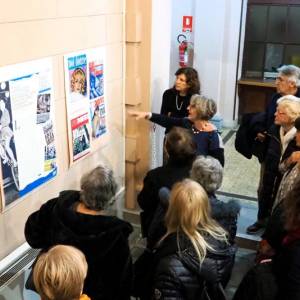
[{"x": 179, "y": 274}]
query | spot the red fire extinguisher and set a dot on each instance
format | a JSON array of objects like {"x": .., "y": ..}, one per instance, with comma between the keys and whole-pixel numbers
[
  {"x": 183, "y": 50},
  {"x": 186, "y": 51}
]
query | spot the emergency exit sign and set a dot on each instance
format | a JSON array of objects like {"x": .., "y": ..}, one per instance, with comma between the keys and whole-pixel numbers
[{"x": 187, "y": 23}]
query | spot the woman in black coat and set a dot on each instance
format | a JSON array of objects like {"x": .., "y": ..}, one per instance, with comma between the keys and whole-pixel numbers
[
  {"x": 194, "y": 256},
  {"x": 78, "y": 219},
  {"x": 181, "y": 151}
]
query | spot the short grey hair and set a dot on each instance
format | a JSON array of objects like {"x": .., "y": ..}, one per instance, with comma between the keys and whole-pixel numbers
[
  {"x": 98, "y": 188},
  {"x": 206, "y": 108},
  {"x": 207, "y": 171},
  {"x": 292, "y": 72}
]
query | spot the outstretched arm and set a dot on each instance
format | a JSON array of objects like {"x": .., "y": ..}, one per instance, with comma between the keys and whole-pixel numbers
[
  {"x": 140, "y": 114},
  {"x": 161, "y": 120}
]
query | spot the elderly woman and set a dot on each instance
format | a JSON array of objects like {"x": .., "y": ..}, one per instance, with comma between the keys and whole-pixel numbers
[
  {"x": 208, "y": 172},
  {"x": 201, "y": 110},
  {"x": 275, "y": 231},
  {"x": 78, "y": 218},
  {"x": 281, "y": 145}
]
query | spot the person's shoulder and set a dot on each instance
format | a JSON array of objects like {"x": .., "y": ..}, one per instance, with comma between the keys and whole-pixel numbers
[
  {"x": 169, "y": 92},
  {"x": 121, "y": 225}
]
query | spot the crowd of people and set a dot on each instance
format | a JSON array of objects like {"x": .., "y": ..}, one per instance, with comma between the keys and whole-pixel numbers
[{"x": 189, "y": 232}]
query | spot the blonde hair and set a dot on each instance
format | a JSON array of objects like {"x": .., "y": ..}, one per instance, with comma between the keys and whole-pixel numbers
[
  {"x": 206, "y": 108},
  {"x": 291, "y": 104},
  {"x": 189, "y": 213},
  {"x": 78, "y": 73},
  {"x": 59, "y": 273}
]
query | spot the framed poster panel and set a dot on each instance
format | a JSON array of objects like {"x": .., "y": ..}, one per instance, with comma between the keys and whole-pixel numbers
[
  {"x": 85, "y": 99},
  {"x": 27, "y": 135}
]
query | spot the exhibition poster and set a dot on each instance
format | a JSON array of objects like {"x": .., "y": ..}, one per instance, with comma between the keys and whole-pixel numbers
[
  {"x": 84, "y": 87},
  {"x": 27, "y": 136}
]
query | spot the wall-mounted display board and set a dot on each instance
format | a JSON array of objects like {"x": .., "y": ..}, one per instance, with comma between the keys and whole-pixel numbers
[
  {"x": 27, "y": 135},
  {"x": 85, "y": 87}
]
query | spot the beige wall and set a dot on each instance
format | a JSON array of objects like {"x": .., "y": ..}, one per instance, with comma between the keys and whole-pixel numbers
[
  {"x": 137, "y": 97},
  {"x": 38, "y": 28}
]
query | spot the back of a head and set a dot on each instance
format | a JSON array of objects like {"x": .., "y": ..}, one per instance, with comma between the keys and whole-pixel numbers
[
  {"x": 59, "y": 273},
  {"x": 98, "y": 188},
  {"x": 189, "y": 213},
  {"x": 206, "y": 108},
  {"x": 188, "y": 207},
  {"x": 192, "y": 79},
  {"x": 207, "y": 171},
  {"x": 180, "y": 145},
  {"x": 292, "y": 72}
]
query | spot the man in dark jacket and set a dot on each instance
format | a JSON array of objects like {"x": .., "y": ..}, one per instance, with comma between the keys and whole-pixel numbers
[{"x": 78, "y": 219}]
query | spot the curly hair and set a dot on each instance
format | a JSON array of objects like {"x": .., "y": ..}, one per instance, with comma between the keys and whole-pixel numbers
[
  {"x": 78, "y": 73},
  {"x": 192, "y": 79}
]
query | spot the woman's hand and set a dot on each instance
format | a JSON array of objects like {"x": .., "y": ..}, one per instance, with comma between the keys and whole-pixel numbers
[{"x": 139, "y": 114}]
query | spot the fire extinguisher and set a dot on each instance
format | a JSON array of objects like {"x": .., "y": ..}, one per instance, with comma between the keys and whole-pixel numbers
[{"x": 185, "y": 49}]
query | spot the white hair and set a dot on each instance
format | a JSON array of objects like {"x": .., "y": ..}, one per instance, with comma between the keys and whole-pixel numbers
[{"x": 288, "y": 97}]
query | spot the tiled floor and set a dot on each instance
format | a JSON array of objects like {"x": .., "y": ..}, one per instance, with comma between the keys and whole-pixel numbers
[{"x": 241, "y": 175}]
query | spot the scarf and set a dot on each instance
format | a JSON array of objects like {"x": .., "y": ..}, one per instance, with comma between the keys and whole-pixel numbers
[{"x": 286, "y": 138}]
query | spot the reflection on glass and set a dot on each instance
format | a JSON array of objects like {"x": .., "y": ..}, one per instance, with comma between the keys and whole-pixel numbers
[
  {"x": 292, "y": 55},
  {"x": 257, "y": 23},
  {"x": 277, "y": 23},
  {"x": 273, "y": 58},
  {"x": 254, "y": 59},
  {"x": 293, "y": 25}
]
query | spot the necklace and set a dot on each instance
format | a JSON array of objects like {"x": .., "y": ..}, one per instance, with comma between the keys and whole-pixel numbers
[{"x": 178, "y": 106}]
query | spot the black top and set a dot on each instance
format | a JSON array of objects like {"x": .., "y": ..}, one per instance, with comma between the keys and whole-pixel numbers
[
  {"x": 102, "y": 239},
  {"x": 155, "y": 179},
  {"x": 173, "y": 107}
]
